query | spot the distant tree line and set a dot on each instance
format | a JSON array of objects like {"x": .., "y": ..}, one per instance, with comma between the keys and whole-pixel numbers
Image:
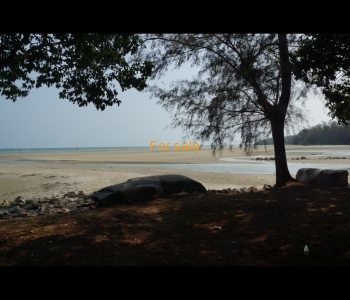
[{"x": 322, "y": 134}]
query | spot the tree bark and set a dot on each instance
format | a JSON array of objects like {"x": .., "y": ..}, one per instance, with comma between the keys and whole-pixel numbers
[
  {"x": 278, "y": 113},
  {"x": 282, "y": 172}
]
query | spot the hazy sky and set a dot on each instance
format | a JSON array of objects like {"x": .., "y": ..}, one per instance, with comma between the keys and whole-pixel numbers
[{"x": 42, "y": 120}]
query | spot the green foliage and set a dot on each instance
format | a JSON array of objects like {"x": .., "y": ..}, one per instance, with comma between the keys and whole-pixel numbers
[
  {"x": 324, "y": 60},
  {"x": 329, "y": 133},
  {"x": 84, "y": 67},
  {"x": 244, "y": 82}
]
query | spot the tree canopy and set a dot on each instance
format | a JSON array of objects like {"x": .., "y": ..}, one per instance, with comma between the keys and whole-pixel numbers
[
  {"x": 244, "y": 86},
  {"x": 85, "y": 67},
  {"x": 324, "y": 60}
]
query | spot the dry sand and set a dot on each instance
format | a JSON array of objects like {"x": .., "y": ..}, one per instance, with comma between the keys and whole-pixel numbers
[{"x": 62, "y": 172}]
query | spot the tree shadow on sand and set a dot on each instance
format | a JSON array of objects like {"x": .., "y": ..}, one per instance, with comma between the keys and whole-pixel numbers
[{"x": 264, "y": 228}]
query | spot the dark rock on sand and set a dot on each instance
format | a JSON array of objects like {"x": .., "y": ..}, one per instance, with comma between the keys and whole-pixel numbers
[
  {"x": 147, "y": 188},
  {"x": 323, "y": 177}
]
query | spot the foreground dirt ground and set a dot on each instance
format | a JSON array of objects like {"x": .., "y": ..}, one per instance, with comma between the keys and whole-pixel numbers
[{"x": 265, "y": 228}]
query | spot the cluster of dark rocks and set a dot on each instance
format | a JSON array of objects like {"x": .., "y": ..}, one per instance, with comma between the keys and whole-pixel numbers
[
  {"x": 263, "y": 158},
  {"x": 69, "y": 203},
  {"x": 300, "y": 158},
  {"x": 334, "y": 157},
  {"x": 327, "y": 157}
]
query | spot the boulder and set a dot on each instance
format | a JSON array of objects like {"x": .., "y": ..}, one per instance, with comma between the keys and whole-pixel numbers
[
  {"x": 267, "y": 187},
  {"x": 253, "y": 189},
  {"x": 147, "y": 188},
  {"x": 19, "y": 199},
  {"x": 323, "y": 177},
  {"x": 15, "y": 210}
]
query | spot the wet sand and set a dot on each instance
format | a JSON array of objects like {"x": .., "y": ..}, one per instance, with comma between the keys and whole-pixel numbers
[{"x": 62, "y": 172}]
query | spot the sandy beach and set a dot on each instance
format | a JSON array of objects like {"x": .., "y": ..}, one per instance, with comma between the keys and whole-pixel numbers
[{"x": 60, "y": 172}]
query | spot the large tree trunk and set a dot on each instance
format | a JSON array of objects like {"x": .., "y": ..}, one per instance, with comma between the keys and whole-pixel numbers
[
  {"x": 282, "y": 171},
  {"x": 278, "y": 113}
]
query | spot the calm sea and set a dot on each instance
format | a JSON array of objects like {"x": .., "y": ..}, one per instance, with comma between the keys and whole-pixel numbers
[{"x": 16, "y": 150}]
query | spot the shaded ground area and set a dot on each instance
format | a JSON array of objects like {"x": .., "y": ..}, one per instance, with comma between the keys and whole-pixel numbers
[{"x": 265, "y": 228}]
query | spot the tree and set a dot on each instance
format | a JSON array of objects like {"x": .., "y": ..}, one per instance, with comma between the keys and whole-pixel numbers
[
  {"x": 244, "y": 86},
  {"x": 324, "y": 60},
  {"x": 85, "y": 67},
  {"x": 323, "y": 134}
]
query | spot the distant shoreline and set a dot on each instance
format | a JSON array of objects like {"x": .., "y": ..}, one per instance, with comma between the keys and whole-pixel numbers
[{"x": 10, "y": 149}]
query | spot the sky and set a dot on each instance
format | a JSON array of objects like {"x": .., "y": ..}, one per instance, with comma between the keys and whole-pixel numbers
[{"x": 42, "y": 120}]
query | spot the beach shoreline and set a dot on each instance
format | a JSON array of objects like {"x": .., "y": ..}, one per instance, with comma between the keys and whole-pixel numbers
[{"x": 57, "y": 173}]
